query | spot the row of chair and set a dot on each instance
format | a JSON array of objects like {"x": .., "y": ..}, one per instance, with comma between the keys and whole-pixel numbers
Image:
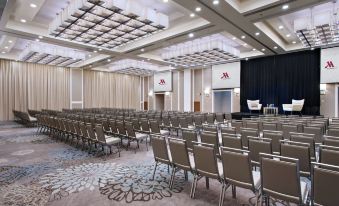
[
  {"x": 279, "y": 176},
  {"x": 24, "y": 118}
]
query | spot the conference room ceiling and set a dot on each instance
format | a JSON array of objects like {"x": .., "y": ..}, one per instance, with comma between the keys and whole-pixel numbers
[{"x": 252, "y": 27}]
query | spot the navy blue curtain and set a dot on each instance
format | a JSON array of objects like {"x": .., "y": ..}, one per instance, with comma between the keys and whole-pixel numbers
[{"x": 279, "y": 79}]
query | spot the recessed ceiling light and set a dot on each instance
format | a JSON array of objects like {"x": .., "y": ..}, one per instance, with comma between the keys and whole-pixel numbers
[
  {"x": 288, "y": 35},
  {"x": 108, "y": 60},
  {"x": 10, "y": 41},
  {"x": 243, "y": 37},
  {"x": 192, "y": 15},
  {"x": 95, "y": 51},
  {"x": 89, "y": 55},
  {"x": 142, "y": 50},
  {"x": 198, "y": 9},
  {"x": 246, "y": 59},
  {"x": 32, "y": 5},
  {"x": 3, "y": 52},
  {"x": 100, "y": 49},
  {"x": 263, "y": 49},
  {"x": 254, "y": 49},
  {"x": 245, "y": 44},
  {"x": 284, "y": 7},
  {"x": 257, "y": 33},
  {"x": 215, "y": 2},
  {"x": 281, "y": 27},
  {"x": 37, "y": 40},
  {"x": 275, "y": 47},
  {"x": 190, "y": 35},
  {"x": 312, "y": 48},
  {"x": 6, "y": 47},
  {"x": 234, "y": 38},
  {"x": 165, "y": 1},
  {"x": 23, "y": 20},
  {"x": 41, "y": 37},
  {"x": 148, "y": 59},
  {"x": 294, "y": 42}
]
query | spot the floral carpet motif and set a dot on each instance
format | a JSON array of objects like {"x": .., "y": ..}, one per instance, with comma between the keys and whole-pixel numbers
[
  {"x": 76, "y": 178},
  {"x": 9, "y": 174},
  {"x": 134, "y": 183}
]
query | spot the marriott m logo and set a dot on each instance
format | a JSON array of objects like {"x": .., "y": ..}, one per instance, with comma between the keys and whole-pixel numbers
[
  {"x": 225, "y": 76},
  {"x": 162, "y": 82},
  {"x": 329, "y": 65}
]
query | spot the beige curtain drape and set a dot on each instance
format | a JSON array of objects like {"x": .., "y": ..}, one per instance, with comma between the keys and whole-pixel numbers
[
  {"x": 103, "y": 89},
  {"x": 32, "y": 86}
]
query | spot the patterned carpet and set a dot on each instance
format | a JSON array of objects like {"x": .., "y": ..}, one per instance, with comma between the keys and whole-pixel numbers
[{"x": 37, "y": 170}]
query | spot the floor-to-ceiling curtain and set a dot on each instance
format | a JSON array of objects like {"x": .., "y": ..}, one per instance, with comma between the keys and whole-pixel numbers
[
  {"x": 104, "y": 89},
  {"x": 32, "y": 86},
  {"x": 281, "y": 78}
]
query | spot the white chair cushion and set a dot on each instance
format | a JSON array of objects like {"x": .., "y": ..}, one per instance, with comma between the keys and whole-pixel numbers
[
  {"x": 32, "y": 119},
  {"x": 112, "y": 140},
  {"x": 164, "y": 132},
  {"x": 140, "y": 136}
]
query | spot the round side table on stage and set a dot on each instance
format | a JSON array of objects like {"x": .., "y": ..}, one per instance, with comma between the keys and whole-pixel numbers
[{"x": 270, "y": 110}]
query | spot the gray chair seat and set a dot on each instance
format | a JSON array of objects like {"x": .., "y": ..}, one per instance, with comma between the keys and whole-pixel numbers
[
  {"x": 164, "y": 132},
  {"x": 140, "y": 136},
  {"x": 32, "y": 119},
  {"x": 112, "y": 140}
]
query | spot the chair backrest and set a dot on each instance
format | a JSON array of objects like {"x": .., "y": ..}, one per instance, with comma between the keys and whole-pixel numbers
[
  {"x": 166, "y": 121},
  {"x": 252, "y": 125},
  {"x": 237, "y": 169},
  {"x": 325, "y": 184},
  {"x": 210, "y": 118},
  {"x": 305, "y": 139},
  {"x": 205, "y": 160},
  {"x": 113, "y": 126},
  {"x": 275, "y": 139},
  {"x": 280, "y": 178},
  {"x": 174, "y": 121},
  {"x": 231, "y": 141},
  {"x": 270, "y": 126},
  {"x": 300, "y": 151},
  {"x": 229, "y": 130},
  {"x": 329, "y": 155},
  {"x": 287, "y": 129},
  {"x": 136, "y": 123},
  {"x": 331, "y": 141},
  {"x": 245, "y": 133},
  {"x": 317, "y": 131},
  {"x": 90, "y": 131},
  {"x": 160, "y": 149},
  {"x": 210, "y": 128},
  {"x": 237, "y": 125},
  {"x": 189, "y": 119},
  {"x": 83, "y": 129},
  {"x": 100, "y": 133},
  {"x": 144, "y": 125},
  {"x": 210, "y": 138},
  {"x": 333, "y": 132},
  {"x": 129, "y": 130},
  {"x": 189, "y": 136},
  {"x": 256, "y": 146},
  {"x": 253, "y": 103},
  {"x": 155, "y": 127},
  {"x": 197, "y": 120},
  {"x": 183, "y": 122},
  {"x": 219, "y": 117},
  {"x": 179, "y": 153}
]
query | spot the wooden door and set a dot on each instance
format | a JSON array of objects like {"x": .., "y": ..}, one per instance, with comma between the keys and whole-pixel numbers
[
  {"x": 145, "y": 105},
  {"x": 196, "y": 106}
]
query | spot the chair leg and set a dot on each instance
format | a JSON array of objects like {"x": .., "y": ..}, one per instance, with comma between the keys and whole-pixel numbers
[
  {"x": 207, "y": 182},
  {"x": 234, "y": 191},
  {"x": 155, "y": 168},
  {"x": 222, "y": 194},
  {"x": 195, "y": 186},
  {"x": 172, "y": 177}
]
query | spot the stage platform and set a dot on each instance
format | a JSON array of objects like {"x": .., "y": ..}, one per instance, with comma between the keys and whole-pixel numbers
[{"x": 240, "y": 115}]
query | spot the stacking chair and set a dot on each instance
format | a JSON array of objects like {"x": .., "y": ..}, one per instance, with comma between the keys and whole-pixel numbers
[
  {"x": 106, "y": 140},
  {"x": 280, "y": 179},
  {"x": 333, "y": 132},
  {"x": 145, "y": 128},
  {"x": 220, "y": 118},
  {"x": 270, "y": 126},
  {"x": 205, "y": 165},
  {"x": 160, "y": 152},
  {"x": 252, "y": 125},
  {"x": 317, "y": 131},
  {"x": 237, "y": 172},
  {"x": 85, "y": 136},
  {"x": 133, "y": 136},
  {"x": 198, "y": 121},
  {"x": 276, "y": 137},
  {"x": 210, "y": 138},
  {"x": 325, "y": 184},
  {"x": 121, "y": 130},
  {"x": 245, "y": 133},
  {"x": 237, "y": 125},
  {"x": 287, "y": 129},
  {"x": 166, "y": 123},
  {"x": 256, "y": 146},
  {"x": 210, "y": 128},
  {"x": 210, "y": 118},
  {"x": 329, "y": 155},
  {"x": 136, "y": 124},
  {"x": 92, "y": 137},
  {"x": 180, "y": 158},
  {"x": 300, "y": 151},
  {"x": 155, "y": 128},
  {"x": 331, "y": 141},
  {"x": 189, "y": 120},
  {"x": 306, "y": 139},
  {"x": 183, "y": 123},
  {"x": 189, "y": 136},
  {"x": 231, "y": 141},
  {"x": 175, "y": 124}
]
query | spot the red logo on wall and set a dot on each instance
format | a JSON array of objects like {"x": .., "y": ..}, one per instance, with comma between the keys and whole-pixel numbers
[
  {"x": 162, "y": 82},
  {"x": 329, "y": 65},
  {"x": 225, "y": 76}
]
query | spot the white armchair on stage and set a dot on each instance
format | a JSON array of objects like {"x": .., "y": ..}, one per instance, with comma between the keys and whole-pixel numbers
[
  {"x": 254, "y": 105},
  {"x": 296, "y": 106}
]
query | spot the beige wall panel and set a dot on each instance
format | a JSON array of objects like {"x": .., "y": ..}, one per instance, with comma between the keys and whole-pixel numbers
[
  {"x": 207, "y": 83},
  {"x": 327, "y": 101},
  {"x": 76, "y": 85}
]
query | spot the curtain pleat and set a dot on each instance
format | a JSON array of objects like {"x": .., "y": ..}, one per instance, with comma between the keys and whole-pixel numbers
[
  {"x": 26, "y": 86},
  {"x": 103, "y": 89}
]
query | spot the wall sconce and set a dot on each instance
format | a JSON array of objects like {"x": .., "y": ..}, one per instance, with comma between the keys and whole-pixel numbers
[
  {"x": 167, "y": 93},
  {"x": 207, "y": 92},
  {"x": 236, "y": 91},
  {"x": 322, "y": 88},
  {"x": 150, "y": 93}
]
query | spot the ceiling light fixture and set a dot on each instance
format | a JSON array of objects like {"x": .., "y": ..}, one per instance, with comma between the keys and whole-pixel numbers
[
  {"x": 99, "y": 49},
  {"x": 40, "y": 37},
  {"x": 234, "y": 38},
  {"x": 245, "y": 44},
  {"x": 37, "y": 40},
  {"x": 285, "y": 6},
  {"x": 135, "y": 67},
  {"x": 288, "y": 35},
  {"x": 110, "y": 25},
  {"x": 281, "y": 27},
  {"x": 3, "y": 52},
  {"x": 312, "y": 48},
  {"x": 294, "y": 42},
  {"x": 190, "y": 35},
  {"x": 243, "y": 37},
  {"x": 10, "y": 41},
  {"x": 165, "y": 1},
  {"x": 108, "y": 60},
  {"x": 95, "y": 51},
  {"x": 275, "y": 47},
  {"x": 257, "y": 33},
  {"x": 192, "y": 15},
  {"x": 142, "y": 50},
  {"x": 254, "y": 49},
  {"x": 215, "y": 2},
  {"x": 263, "y": 49},
  {"x": 6, "y": 47},
  {"x": 23, "y": 20},
  {"x": 33, "y": 5},
  {"x": 198, "y": 9}
]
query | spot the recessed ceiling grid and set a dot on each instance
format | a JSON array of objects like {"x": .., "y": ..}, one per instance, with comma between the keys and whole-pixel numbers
[
  {"x": 108, "y": 27},
  {"x": 135, "y": 71},
  {"x": 321, "y": 35},
  {"x": 43, "y": 58}
]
